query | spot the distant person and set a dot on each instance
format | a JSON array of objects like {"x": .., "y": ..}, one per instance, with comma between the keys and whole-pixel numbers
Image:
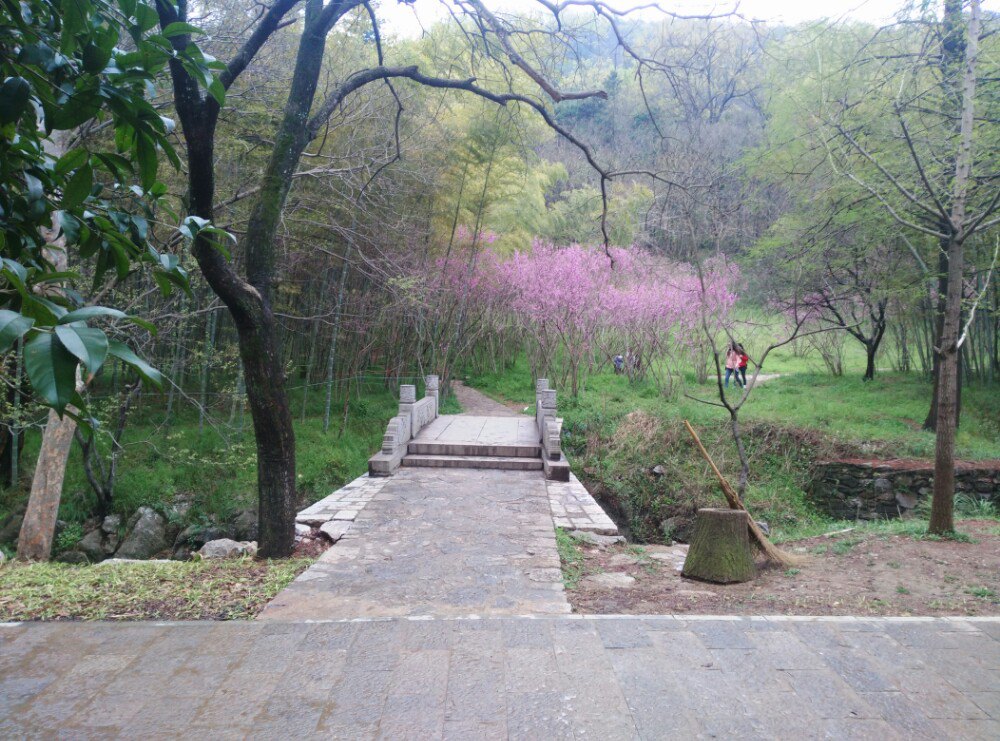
[
  {"x": 744, "y": 362},
  {"x": 733, "y": 356}
]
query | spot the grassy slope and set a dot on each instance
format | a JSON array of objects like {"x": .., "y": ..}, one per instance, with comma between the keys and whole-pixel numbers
[
  {"x": 215, "y": 470},
  {"x": 790, "y": 421}
]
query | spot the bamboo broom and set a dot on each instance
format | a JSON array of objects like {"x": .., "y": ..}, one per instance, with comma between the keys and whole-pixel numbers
[{"x": 770, "y": 549}]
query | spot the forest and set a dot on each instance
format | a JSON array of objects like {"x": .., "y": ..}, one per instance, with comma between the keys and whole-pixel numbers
[{"x": 231, "y": 231}]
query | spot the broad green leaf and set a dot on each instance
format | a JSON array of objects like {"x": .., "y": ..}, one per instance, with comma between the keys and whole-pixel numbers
[
  {"x": 179, "y": 29},
  {"x": 148, "y": 163},
  {"x": 88, "y": 344},
  {"x": 51, "y": 369},
  {"x": 13, "y": 327},
  {"x": 144, "y": 369},
  {"x": 70, "y": 161},
  {"x": 14, "y": 95},
  {"x": 78, "y": 188},
  {"x": 91, "y": 312}
]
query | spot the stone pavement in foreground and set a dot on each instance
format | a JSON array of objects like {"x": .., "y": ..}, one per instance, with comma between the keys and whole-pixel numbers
[
  {"x": 438, "y": 542},
  {"x": 504, "y": 678}
]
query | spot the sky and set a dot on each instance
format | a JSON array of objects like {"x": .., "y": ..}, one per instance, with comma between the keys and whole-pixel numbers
[{"x": 406, "y": 20}]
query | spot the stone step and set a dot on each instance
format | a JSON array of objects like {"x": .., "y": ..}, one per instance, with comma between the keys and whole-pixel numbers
[
  {"x": 505, "y": 463},
  {"x": 434, "y": 447}
]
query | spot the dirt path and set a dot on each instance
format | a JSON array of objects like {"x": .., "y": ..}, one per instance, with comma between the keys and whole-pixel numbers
[
  {"x": 479, "y": 404},
  {"x": 851, "y": 573}
]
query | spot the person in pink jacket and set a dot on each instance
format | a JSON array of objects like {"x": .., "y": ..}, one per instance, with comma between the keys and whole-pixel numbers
[{"x": 733, "y": 356}]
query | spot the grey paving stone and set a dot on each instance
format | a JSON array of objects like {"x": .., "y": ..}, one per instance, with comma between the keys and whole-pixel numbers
[
  {"x": 830, "y": 696},
  {"x": 623, "y": 634}
]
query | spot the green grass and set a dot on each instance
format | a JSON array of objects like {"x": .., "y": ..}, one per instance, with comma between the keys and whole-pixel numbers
[
  {"x": 571, "y": 558},
  {"x": 616, "y": 431},
  {"x": 982, "y": 592},
  {"x": 215, "y": 470},
  {"x": 191, "y": 590}
]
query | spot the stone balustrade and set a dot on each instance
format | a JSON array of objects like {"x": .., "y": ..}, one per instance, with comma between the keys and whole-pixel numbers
[
  {"x": 549, "y": 428},
  {"x": 412, "y": 417}
]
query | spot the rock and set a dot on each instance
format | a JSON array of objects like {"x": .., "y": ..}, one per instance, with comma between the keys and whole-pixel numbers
[
  {"x": 195, "y": 536},
  {"x": 73, "y": 557},
  {"x": 11, "y": 527},
  {"x": 226, "y": 548},
  {"x": 610, "y": 580},
  {"x": 146, "y": 536},
  {"x": 92, "y": 544},
  {"x": 302, "y": 531},
  {"x": 119, "y": 561},
  {"x": 245, "y": 525},
  {"x": 111, "y": 524},
  {"x": 111, "y": 543},
  {"x": 623, "y": 559},
  {"x": 658, "y": 471},
  {"x": 335, "y": 529},
  {"x": 677, "y": 528},
  {"x": 602, "y": 541}
]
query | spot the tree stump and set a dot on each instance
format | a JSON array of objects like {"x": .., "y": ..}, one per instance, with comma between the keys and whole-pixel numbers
[{"x": 720, "y": 547}]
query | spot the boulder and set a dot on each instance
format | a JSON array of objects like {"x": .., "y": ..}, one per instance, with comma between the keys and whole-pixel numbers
[
  {"x": 111, "y": 524},
  {"x": 147, "y": 535},
  {"x": 678, "y": 527},
  {"x": 245, "y": 525},
  {"x": 92, "y": 544},
  {"x": 11, "y": 527},
  {"x": 111, "y": 543},
  {"x": 602, "y": 541},
  {"x": 195, "y": 536},
  {"x": 73, "y": 557},
  {"x": 226, "y": 548}
]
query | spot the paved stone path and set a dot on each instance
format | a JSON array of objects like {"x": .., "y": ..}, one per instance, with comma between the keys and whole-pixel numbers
[
  {"x": 438, "y": 542},
  {"x": 440, "y": 613},
  {"x": 504, "y": 678},
  {"x": 455, "y": 429}
]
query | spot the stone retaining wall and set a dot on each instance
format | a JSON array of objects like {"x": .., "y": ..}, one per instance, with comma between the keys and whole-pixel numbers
[{"x": 868, "y": 490}]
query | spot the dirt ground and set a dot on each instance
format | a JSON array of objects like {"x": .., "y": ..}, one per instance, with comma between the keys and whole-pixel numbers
[{"x": 850, "y": 573}]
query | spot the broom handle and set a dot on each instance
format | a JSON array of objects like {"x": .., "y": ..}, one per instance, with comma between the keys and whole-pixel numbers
[{"x": 731, "y": 496}]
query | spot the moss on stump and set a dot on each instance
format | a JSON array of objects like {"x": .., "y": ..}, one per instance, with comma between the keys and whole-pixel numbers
[{"x": 720, "y": 548}]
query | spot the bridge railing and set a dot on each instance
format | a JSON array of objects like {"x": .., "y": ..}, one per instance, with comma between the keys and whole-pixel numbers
[
  {"x": 413, "y": 416},
  {"x": 549, "y": 428}
]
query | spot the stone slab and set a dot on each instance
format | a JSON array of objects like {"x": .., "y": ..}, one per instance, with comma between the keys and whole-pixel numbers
[{"x": 602, "y": 677}]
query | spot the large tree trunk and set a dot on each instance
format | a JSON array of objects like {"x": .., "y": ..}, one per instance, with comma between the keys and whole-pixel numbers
[
  {"x": 943, "y": 504},
  {"x": 949, "y": 350}
]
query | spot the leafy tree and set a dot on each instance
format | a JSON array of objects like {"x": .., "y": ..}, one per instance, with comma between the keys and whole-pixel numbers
[{"x": 63, "y": 66}]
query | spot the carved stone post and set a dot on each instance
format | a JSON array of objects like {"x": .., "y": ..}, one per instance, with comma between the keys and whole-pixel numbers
[
  {"x": 432, "y": 391},
  {"x": 547, "y": 413},
  {"x": 541, "y": 385}
]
